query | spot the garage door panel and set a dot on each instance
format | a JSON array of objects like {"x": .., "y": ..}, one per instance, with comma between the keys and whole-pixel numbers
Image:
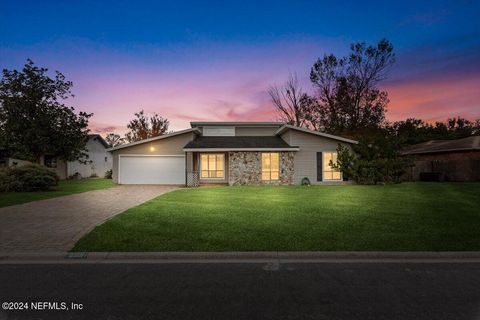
[{"x": 152, "y": 169}]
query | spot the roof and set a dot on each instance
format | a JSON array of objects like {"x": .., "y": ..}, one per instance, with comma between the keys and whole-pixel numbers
[
  {"x": 437, "y": 146},
  {"x": 165, "y": 136},
  {"x": 99, "y": 138},
  {"x": 286, "y": 127},
  {"x": 236, "y": 124},
  {"x": 239, "y": 143}
]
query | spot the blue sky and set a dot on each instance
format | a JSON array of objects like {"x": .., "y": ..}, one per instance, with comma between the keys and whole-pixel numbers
[{"x": 214, "y": 60}]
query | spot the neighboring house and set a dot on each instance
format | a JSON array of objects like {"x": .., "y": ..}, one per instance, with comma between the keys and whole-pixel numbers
[
  {"x": 99, "y": 161},
  {"x": 234, "y": 153},
  {"x": 11, "y": 162},
  {"x": 445, "y": 160}
]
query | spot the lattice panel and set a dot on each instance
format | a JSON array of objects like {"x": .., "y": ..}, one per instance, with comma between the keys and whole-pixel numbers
[{"x": 193, "y": 179}]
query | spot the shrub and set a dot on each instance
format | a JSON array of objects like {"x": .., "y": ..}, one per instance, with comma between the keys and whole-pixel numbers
[
  {"x": 27, "y": 178},
  {"x": 5, "y": 179},
  {"x": 366, "y": 169},
  {"x": 108, "y": 174}
]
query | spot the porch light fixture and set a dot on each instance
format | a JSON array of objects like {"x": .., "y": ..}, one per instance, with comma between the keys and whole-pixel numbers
[{"x": 152, "y": 149}]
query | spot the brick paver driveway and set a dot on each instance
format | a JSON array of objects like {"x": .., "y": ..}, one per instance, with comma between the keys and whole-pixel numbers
[{"x": 56, "y": 224}]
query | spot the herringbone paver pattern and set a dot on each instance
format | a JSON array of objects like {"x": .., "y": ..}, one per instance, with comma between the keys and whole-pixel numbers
[{"x": 56, "y": 224}]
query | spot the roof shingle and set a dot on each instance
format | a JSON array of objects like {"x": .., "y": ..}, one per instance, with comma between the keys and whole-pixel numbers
[
  {"x": 433, "y": 146},
  {"x": 238, "y": 142}
]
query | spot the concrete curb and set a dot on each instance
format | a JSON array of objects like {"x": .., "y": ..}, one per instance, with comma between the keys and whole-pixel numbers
[{"x": 240, "y": 257}]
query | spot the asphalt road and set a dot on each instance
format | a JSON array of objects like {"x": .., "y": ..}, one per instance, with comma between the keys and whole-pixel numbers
[{"x": 245, "y": 291}]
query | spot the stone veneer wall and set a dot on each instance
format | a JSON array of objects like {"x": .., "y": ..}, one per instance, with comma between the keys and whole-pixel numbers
[{"x": 245, "y": 168}]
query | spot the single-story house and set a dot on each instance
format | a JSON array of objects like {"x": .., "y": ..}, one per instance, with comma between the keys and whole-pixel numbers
[
  {"x": 233, "y": 153},
  {"x": 445, "y": 160},
  {"x": 99, "y": 161}
]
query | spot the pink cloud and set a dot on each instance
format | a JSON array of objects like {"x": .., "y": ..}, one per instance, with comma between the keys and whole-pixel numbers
[
  {"x": 229, "y": 83},
  {"x": 213, "y": 95},
  {"x": 435, "y": 99},
  {"x": 103, "y": 129},
  {"x": 210, "y": 97},
  {"x": 216, "y": 81}
]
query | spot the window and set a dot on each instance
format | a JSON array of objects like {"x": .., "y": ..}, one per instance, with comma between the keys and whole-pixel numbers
[
  {"x": 212, "y": 165},
  {"x": 330, "y": 173},
  {"x": 270, "y": 166},
  {"x": 50, "y": 161}
]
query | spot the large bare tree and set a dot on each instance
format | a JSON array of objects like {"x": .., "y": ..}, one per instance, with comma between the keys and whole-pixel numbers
[
  {"x": 347, "y": 96},
  {"x": 288, "y": 100}
]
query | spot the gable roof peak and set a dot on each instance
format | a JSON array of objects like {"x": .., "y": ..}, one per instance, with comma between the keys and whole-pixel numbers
[{"x": 286, "y": 127}]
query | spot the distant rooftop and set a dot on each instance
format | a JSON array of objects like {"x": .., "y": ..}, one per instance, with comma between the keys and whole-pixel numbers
[
  {"x": 98, "y": 137},
  {"x": 436, "y": 146}
]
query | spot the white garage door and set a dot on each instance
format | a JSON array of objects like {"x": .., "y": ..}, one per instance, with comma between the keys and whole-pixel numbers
[{"x": 151, "y": 170}]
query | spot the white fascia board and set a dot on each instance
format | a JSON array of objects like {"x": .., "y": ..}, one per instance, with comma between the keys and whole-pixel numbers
[
  {"x": 321, "y": 134},
  {"x": 165, "y": 136}
]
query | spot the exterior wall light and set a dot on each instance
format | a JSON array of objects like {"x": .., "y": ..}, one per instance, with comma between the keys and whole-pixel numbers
[{"x": 152, "y": 149}]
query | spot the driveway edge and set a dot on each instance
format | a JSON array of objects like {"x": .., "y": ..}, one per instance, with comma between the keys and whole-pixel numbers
[{"x": 241, "y": 257}]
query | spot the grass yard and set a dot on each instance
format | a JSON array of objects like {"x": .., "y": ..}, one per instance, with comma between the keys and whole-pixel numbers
[
  {"x": 65, "y": 187},
  {"x": 407, "y": 216}
]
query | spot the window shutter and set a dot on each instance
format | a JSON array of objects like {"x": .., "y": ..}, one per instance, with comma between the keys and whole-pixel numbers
[{"x": 319, "y": 166}]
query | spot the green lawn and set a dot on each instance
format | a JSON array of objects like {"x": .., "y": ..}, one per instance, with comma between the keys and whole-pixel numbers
[
  {"x": 407, "y": 216},
  {"x": 65, "y": 187}
]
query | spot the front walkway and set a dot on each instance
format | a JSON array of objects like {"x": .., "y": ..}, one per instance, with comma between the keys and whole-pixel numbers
[{"x": 57, "y": 224}]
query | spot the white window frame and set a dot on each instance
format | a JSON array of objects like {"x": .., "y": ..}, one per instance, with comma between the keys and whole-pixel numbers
[
  {"x": 200, "y": 166},
  {"x": 53, "y": 160},
  {"x": 323, "y": 171},
  {"x": 261, "y": 169}
]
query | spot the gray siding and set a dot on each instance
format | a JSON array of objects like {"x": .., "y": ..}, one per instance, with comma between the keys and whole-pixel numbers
[
  {"x": 286, "y": 137},
  {"x": 169, "y": 146},
  {"x": 61, "y": 169},
  {"x": 306, "y": 159},
  {"x": 97, "y": 164},
  {"x": 190, "y": 157}
]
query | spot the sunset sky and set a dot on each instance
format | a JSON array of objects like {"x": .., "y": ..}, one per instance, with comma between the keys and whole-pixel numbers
[{"x": 215, "y": 60}]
